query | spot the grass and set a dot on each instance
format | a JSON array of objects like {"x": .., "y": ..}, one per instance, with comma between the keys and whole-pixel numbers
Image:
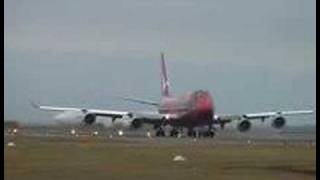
[{"x": 92, "y": 158}]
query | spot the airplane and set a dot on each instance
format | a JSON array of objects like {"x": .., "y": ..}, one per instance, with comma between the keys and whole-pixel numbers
[{"x": 193, "y": 109}]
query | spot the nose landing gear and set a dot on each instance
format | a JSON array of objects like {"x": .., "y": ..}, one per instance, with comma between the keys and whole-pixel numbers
[
  {"x": 192, "y": 133},
  {"x": 209, "y": 133}
]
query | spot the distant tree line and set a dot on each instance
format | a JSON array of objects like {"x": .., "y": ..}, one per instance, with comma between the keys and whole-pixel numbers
[{"x": 11, "y": 124}]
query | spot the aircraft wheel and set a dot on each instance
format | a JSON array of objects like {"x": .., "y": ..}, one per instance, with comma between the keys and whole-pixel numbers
[
  {"x": 211, "y": 134},
  {"x": 174, "y": 133},
  {"x": 163, "y": 133},
  {"x": 160, "y": 133},
  {"x": 157, "y": 133},
  {"x": 192, "y": 133},
  {"x": 204, "y": 134}
]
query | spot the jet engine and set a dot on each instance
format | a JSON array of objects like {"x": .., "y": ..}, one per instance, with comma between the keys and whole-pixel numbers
[
  {"x": 278, "y": 122},
  {"x": 129, "y": 121},
  {"x": 136, "y": 123},
  {"x": 244, "y": 126},
  {"x": 89, "y": 119}
]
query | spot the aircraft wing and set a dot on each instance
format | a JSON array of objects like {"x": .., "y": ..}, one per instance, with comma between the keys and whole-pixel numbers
[
  {"x": 261, "y": 115},
  {"x": 96, "y": 112},
  {"x": 144, "y": 117},
  {"x": 274, "y": 114}
]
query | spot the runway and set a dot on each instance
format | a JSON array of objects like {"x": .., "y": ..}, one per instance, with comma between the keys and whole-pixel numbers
[
  {"x": 89, "y": 157},
  {"x": 56, "y": 154},
  {"x": 227, "y": 136}
]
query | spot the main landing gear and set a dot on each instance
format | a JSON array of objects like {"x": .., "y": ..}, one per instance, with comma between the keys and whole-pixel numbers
[
  {"x": 192, "y": 133},
  {"x": 174, "y": 132},
  {"x": 160, "y": 132},
  {"x": 209, "y": 133}
]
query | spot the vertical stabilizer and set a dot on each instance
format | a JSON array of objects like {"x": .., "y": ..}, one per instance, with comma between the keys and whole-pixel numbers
[{"x": 164, "y": 78}]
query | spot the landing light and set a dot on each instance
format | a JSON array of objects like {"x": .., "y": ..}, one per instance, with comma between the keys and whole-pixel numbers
[
  {"x": 15, "y": 130},
  {"x": 120, "y": 133},
  {"x": 149, "y": 134},
  {"x": 73, "y": 132}
]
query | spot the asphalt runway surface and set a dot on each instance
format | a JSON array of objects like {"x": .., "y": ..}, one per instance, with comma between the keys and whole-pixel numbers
[
  {"x": 227, "y": 136},
  {"x": 56, "y": 154}
]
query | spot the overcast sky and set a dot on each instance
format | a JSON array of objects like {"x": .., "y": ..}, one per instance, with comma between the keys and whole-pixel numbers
[{"x": 251, "y": 55}]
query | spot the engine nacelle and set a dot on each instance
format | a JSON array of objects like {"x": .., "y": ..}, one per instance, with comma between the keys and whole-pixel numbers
[
  {"x": 244, "y": 126},
  {"x": 136, "y": 123},
  {"x": 89, "y": 119},
  {"x": 278, "y": 122},
  {"x": 129, "y": 121}
]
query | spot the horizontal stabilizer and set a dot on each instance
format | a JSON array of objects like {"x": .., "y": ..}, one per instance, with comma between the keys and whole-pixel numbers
[{"x": 141, "y": 101}]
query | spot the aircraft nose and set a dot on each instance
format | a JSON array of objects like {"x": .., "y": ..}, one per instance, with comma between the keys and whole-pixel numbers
[{"x": 204, "y": 102}]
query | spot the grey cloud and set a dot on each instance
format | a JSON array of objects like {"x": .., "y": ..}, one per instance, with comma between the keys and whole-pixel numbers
[{"x": 257, "y": 53}]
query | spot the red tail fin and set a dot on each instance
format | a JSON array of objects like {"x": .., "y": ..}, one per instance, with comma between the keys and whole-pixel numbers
[{"x": 164, "y": 78}]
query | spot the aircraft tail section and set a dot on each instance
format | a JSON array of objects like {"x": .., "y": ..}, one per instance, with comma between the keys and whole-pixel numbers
[{"x": 164, "y": 77}]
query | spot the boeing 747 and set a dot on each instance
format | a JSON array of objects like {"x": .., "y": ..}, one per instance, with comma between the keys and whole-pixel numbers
[{"x": 194, "y": 109}]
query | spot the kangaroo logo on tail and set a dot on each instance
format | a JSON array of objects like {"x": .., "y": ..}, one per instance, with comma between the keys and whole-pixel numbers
[{"x": 164, "y": 78}]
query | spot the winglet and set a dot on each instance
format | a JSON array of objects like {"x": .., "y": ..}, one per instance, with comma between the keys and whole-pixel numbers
[
  {"x": 164, "y": 77},
  {"x": 34, "y": 105}
]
